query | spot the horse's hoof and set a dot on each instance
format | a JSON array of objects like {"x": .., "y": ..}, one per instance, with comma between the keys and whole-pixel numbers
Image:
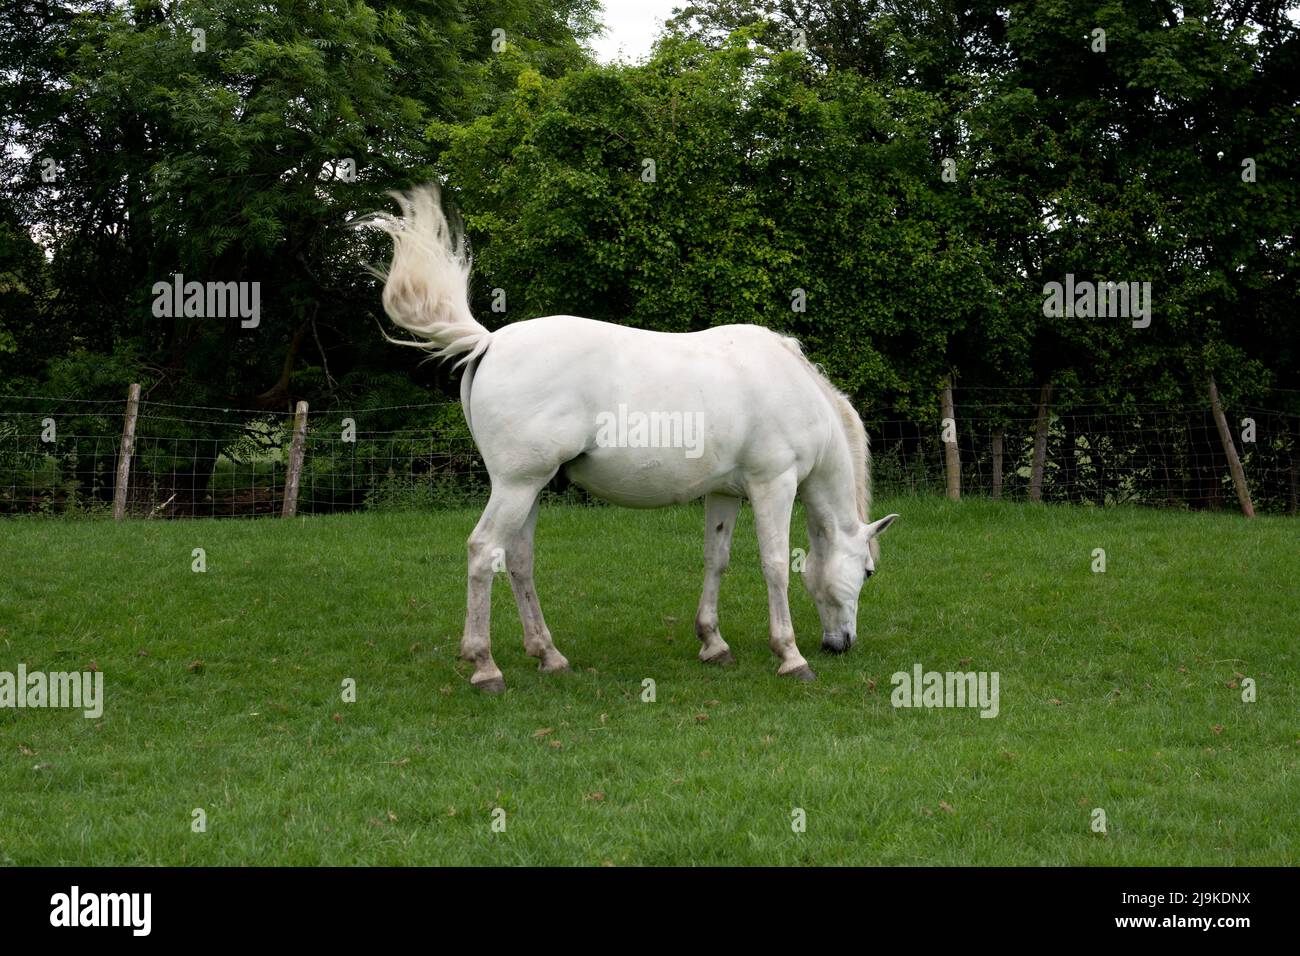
[
  {"x": 493, "y": 685},
  {"x": 804, "y": 673},
  {"x": 722, "y": 660},
  {"x": 560, "y": 668}
]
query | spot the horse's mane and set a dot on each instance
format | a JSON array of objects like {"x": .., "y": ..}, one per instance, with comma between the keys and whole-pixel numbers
[{"x": 855, "y": 433}]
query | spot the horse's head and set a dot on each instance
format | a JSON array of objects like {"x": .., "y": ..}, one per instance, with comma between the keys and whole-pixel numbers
[{"x": 833, "y": 576}]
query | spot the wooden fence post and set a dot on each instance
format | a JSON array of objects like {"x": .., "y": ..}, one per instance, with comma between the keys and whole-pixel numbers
[
  {"x": 124, "y": 455},
  {"x": 1230, "y": 450},
  {"x": 296, "y": 451},
  {"x": 951, "y": 454},
  {"x": 1040, "y": 445},
  {"x": 997, "y": 465}
]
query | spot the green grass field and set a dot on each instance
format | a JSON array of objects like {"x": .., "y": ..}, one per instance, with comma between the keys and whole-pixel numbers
[{"x": 1119, "y": 691}]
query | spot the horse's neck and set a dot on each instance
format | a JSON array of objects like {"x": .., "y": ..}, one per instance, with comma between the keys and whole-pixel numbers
[{"x": 829, "y": 494}]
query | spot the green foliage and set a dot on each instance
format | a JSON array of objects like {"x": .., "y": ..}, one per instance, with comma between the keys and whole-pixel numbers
[
  {"x": 430, "y": 493},
  {"x": 22, "y": 296},
  {"x": 778, "y": 170},
  {"x": 221, "y": 155},
  {"x": 809, "y": 184},
  {"x": 778, "y": 174}
]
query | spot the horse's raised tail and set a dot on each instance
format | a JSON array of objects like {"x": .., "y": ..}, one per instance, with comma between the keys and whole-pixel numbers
[{"x": 426, "y": 287}]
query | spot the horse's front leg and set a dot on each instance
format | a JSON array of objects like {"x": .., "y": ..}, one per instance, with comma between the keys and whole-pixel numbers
[
  {"x": 719, "y": 522},
  {"x": 772, "y": 502},
  {"x": 504, "y": 517},
  {"x": 519, "y": 563}
]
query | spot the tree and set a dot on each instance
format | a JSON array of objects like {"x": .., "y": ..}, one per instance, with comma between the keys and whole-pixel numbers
[{"x": 218, "y": 140}]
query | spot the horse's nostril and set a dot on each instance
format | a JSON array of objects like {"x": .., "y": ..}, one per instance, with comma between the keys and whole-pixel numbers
[
  {"x": 870, "y": 572},
  {"x": 838, "y": 642}
]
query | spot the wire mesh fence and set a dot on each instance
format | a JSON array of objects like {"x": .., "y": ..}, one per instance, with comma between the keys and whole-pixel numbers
[
  {"x": 60, "y": 456},
  {"x": 1156, "y": 453}
]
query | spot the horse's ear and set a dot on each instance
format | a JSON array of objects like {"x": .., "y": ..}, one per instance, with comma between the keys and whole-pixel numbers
[{"x": 876, "y": 527}]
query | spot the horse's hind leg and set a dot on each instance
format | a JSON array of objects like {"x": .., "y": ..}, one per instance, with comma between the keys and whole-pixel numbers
[
  {"x": 519, "y": 563},
  {"x": 772, "y": 502},
  {"x": 719, "y": 522},
  {"x": 504, "y": 517}
]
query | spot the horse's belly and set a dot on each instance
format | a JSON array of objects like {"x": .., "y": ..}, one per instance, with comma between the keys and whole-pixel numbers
[{"x": 648, "y": 478}]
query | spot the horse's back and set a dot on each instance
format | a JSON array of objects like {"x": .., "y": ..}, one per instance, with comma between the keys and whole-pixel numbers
[
  {"x": 645, "y": 417},
  {"x": 543, "y": 347}
]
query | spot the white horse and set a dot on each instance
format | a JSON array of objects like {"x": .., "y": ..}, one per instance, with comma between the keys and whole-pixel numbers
[{"x": 641, "y": 419}]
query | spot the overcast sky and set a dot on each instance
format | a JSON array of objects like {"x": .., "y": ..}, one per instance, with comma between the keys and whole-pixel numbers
[{"x": 631, "y": 26}]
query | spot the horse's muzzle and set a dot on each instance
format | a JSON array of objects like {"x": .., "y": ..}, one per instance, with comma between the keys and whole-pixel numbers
[{"x": 838, "y": 642}]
